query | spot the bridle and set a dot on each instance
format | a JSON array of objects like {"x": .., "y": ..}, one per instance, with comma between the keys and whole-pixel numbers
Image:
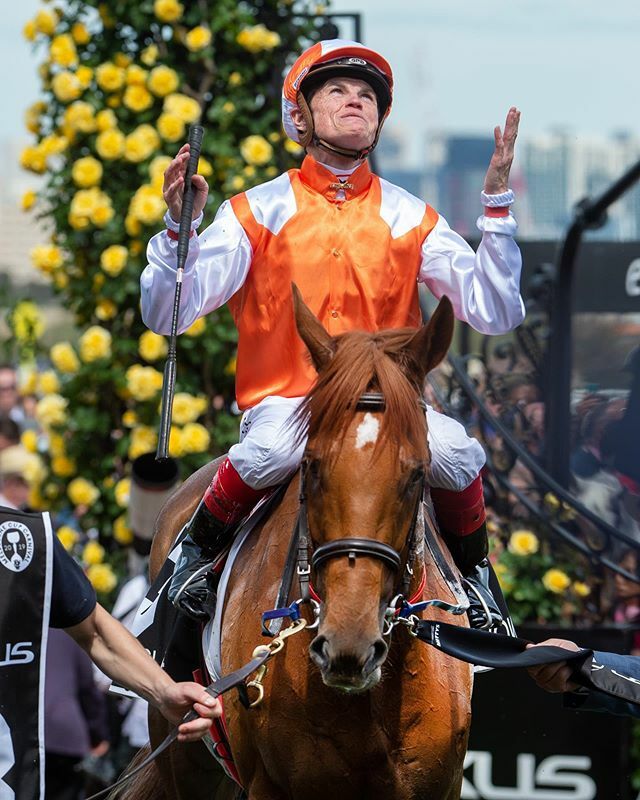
[{"x": 352, "y": 547}]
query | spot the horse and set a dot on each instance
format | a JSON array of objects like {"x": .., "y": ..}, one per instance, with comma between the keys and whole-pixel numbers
[{"x": 352, "y": 712}]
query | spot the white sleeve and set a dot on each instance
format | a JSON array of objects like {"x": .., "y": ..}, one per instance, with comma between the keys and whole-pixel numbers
[
  {"x": 216, "y": 267},
  {"x": 484, "y": 287}
]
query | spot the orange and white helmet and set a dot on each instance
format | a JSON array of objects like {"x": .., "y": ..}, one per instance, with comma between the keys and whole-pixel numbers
[{"x": 331, "y": 58}]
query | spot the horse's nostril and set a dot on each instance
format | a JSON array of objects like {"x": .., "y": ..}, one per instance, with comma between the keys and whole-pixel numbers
[
  {"x": 319, "y": 650},
  {"x": 378, "y": 653}
]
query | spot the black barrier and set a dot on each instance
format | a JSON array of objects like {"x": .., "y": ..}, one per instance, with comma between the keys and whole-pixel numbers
[{"x": 525, "y": 745}]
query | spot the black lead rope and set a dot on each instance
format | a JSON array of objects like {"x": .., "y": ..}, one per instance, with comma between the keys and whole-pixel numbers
[
  {"x": 215, "y": 689},
  {"x": 494, "y": 650}
]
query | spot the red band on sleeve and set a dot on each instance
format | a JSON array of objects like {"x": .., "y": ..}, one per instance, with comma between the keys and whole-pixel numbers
[
  {"x": 173, "y": 234},
  {"x": 460, "y": 513},
  {"x": 496, "y": 211}
]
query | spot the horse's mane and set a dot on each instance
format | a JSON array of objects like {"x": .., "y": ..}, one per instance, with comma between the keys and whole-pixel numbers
[{"x": 368, "y": 362}]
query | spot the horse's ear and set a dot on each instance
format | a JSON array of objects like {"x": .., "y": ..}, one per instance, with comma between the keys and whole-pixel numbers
[
  {"x": 319, "y": 343},
  {"x": 430, "y": 344}
]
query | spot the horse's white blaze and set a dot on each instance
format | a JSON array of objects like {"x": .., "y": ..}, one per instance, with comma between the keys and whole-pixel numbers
[{"x": 367, "y": 432}]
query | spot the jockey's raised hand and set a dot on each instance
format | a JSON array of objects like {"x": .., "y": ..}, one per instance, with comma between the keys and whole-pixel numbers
[
  {"x": 173, "y": 187},
  {"x": 497, "y": 178}
]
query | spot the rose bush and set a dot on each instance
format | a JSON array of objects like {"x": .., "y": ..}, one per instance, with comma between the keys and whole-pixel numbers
[{"x": 121, "y": 82}]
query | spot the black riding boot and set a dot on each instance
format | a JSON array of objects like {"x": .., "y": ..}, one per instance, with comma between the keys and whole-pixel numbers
[
  {"x": 193, "y": 586},
  {"x": 470, "y": 554}
]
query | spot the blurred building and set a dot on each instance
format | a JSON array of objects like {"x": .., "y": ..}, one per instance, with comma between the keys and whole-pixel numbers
[{"x": 552, "y": 172}]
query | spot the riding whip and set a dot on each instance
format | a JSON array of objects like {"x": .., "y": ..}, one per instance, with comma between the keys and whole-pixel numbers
[{"x": 196, "y": 132}]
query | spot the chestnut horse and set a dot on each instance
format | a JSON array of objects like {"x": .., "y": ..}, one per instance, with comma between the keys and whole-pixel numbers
[{"x": 352, "y": 712}]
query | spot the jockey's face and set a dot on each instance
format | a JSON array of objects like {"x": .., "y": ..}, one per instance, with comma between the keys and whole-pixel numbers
[{"x": 345, "y": 113}]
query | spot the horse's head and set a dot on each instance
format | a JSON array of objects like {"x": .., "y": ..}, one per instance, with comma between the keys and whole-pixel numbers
[{"x": 364, "y": 472}]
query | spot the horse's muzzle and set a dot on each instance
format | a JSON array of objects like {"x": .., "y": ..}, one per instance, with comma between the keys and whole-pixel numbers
[{"x": 348, "y": 671}]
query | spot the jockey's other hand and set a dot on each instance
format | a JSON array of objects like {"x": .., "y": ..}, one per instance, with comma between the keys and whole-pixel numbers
[
  {"x": 497, "y": 178},
  {"x": 173, "y": 186},
  {"x": 177, "y": 699}
]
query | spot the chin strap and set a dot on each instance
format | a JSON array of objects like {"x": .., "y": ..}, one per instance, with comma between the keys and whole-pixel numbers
[{"x": 356, "y": 155}]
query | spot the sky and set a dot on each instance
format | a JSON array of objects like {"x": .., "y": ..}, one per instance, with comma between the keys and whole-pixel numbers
[{"x": 459, "y": 64}]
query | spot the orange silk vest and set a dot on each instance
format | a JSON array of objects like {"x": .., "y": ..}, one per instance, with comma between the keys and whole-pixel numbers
[{"x": 355, "y": 264}]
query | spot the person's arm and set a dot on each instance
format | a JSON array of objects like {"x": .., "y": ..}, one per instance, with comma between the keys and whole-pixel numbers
[
  {"x": 484, "y": 287},
  {"x": 114, "y": 650},
  {"x": 559, "y": 678}
]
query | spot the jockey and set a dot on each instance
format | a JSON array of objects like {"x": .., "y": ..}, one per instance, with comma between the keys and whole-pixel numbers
[{"x": 356, "y": 246}]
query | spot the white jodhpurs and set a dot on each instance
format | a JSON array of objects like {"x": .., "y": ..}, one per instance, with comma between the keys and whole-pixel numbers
[{"x": 267, "y": 454}]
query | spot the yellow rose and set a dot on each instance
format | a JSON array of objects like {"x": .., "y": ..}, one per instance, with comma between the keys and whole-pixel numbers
[
  {"x": 235, "y": 79},
  {"x": 141, "y": 143},
  {"x": 581, "y": 589},
  {"x": 63, "y": 466},
  {"x": 110, "y": 77},
  {"x": 137, "y": 98},
  {"x": 80, "y": 33},
  {"x": 110, "y": 143},
  {"x": 163, "y": 80},
  {"x": 504, "y": 577},
  {"x": 64, "y": 358},
  {"x": 231, "y": 365},
  {"x": 63, "y": 51},
  {"x": 151, "y": 346},
  {"x": 95, "y": 343},
  {"x": 228, "y": 107},
  {"x": 129, "y": 419},
  {"x": 86, "y": 172},
  {"x": 204, "y": 167},
  {"x": 143, "y": 382},
  {"x": 46, "y": 257},
  {"x": 176, "y": 448},
  {"x": 48, "y": 382},
  {"x": 147, "y": 205},
  {"x": 66, "y": 86},
  {"x": 256, "y": 150},
  {"x": 68, "y": 537},
  {"x": 29, "y": 440},
  {"x": 167, "y": 10},
  {"x": 157, "y": 168},
  {"x": 237, "y": 183},
  {"x": 102, "y": 578},
  {"x": 523, "y": 543},
  {"x": 256, "y": 38},
  {"x": 198, "y": 38},
  {"x": 122, "y": 492},
  {"x": 45, "y": 21},
  {"x": 82, "y": 492},
  {"x": 79, "y": 116},
  {"x": 84, "y": 75},
  {"x": 136, "y": 75},
  {"x": 53, "y": 144},
  {"x": 36, "y": 500},
  {"x": 187, "y": 408},
  {"x": 33, "y": 159},
  {"x": 551, "y": 501},
  {"x": 52, "y": 410},
  {"x": 122, "y": 533},
  {"x": 149, "y": 55},
  {"x": 56, "y": 444},
  {"x": 132, "y": 225},
  {"x": 106, "y": 120},
  {"x": 170, "y": 127},
  {"x": 143, "y": 440},
  {"x": 197, "y": 328},
  {"x": 106, "y": 309},
  {"x": 29, "y": 31},
  {"x": 26, "y": 321},
  {"x": 93, "y": 553},
  {"x": 122, "y": 60},
  {"x": 195, "y": 438},
  {"x": 114, "y": 259},
  {"x": 34, "y": 471},
  {"x": 556, "y": 581},
  {"x": 182, "y": 106},
  {"x": 293, "y": 147},
  {"x": 103, "y": 212}
]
